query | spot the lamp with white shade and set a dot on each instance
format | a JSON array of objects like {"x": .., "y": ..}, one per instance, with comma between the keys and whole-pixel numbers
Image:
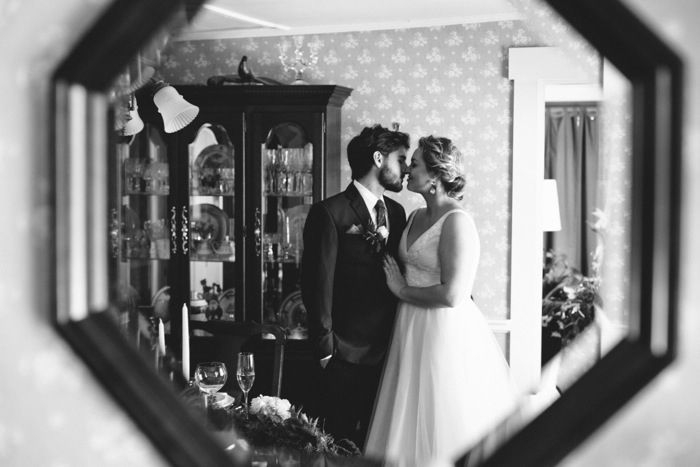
[
  {"x": 551, "y": 220},
  {"x": 177, "y": 113},
  {"x": 134, "y": 123}
]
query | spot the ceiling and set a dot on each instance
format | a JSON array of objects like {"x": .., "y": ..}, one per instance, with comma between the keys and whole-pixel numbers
[{"x": 332, "y": 16}]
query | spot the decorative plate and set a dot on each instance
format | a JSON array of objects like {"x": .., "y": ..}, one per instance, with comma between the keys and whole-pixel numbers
[
  {"x": 216, "y": 156},
  {"x": 292, "y": 316},
  {"x": 227, "y": 302},
  {"x": 208, "y": 222},
  {"x": 214, "y": 169}
]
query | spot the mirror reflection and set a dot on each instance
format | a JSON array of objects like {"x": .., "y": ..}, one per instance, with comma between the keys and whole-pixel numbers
[{"x": 218, "y": 168}]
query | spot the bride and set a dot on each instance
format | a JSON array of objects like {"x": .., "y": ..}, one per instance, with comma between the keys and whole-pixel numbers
[{"x": 446, "y": 382}]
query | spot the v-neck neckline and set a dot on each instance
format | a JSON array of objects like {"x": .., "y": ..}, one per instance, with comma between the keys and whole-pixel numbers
[{"x": 410, "y": 226}]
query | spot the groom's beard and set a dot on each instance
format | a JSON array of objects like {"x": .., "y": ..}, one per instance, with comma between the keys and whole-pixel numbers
[{"x": 389, "y": 180}]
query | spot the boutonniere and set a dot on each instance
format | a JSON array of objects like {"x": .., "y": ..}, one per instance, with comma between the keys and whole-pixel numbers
[{"x": 375, "y": 236}]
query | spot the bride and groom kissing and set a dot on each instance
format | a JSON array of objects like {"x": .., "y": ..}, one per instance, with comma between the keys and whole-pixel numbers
[{"x": 411, "y": 372}]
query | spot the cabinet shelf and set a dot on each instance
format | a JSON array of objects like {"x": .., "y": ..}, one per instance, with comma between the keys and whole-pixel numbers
[
  {"x": 289, "y": 195},
  {"x": 283, "y": 261},
  {"x": 144, "y": 258},
  {"x": 147, "y": 193},
  {"x": 212, "y": 259},
  {"x": 196, "y": 192}
]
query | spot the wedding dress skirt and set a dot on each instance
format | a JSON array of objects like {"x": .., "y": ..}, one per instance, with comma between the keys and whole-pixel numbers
[{"x": 446, "y": 382}]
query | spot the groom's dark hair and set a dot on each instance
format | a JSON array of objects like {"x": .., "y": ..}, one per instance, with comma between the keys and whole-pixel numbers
[{"x": 371, "y": 139}]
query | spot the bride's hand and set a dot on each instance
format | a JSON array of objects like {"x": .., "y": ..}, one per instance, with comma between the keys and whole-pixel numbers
[{"x": 394, "y": 278}]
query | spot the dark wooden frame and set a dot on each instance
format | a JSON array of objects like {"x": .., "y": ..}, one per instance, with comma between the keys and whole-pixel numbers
[
  {"x": 656, "y": 76},
  {"x": 80, "y": 84},
  {"x": 80, "y": 141}
]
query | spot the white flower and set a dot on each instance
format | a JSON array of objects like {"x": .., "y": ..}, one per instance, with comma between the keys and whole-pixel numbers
[
  {"x": 383, "y": 232},
  {"x": 271, "y": 406}
]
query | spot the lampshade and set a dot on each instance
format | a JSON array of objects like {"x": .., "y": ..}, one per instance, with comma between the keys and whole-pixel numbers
[
  {"x": 177, "y": 113},
  {"x": 134, "y": 124},
  {"x": 551, "y": 221}
]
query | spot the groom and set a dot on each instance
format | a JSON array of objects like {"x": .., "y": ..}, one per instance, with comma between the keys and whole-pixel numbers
[{"x": 351, "y": 310}]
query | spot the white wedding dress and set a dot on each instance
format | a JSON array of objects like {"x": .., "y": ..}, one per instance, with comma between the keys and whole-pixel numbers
[{"x": 446, "y": 382}]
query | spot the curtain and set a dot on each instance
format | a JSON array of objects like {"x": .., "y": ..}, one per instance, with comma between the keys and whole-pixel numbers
[{"x": 572, "y": 159}]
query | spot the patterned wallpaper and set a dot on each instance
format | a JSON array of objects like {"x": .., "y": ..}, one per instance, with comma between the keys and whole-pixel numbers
[
  {"x": 61, "y": 416},
  {"x": 449, "y": 81}
]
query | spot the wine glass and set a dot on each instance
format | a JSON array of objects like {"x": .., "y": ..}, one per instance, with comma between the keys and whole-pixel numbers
[
  {"x": 210, "y": 377},
  {"x": 245, "y": 373}
]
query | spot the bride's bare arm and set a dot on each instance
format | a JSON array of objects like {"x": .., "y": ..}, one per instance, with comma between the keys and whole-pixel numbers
[{"x": 458, "y": 251}]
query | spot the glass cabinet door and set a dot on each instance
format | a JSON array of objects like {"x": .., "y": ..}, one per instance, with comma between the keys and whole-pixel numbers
[
  {"x": 212, "y": 217},
  {"x": 142, "y": 234},
  {"x": 173, "y": 233},
  {"x": 287, "y": 187}
]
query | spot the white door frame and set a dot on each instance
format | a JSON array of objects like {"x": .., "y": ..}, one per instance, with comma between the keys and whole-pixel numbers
[{"x": 536, "y": 72}]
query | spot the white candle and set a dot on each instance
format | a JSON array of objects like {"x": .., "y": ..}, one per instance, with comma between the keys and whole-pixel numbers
[
  {"x": 185, "y": 343},
  {"x": 161, "y": 337},
  {"x": 157, "y": 358}
]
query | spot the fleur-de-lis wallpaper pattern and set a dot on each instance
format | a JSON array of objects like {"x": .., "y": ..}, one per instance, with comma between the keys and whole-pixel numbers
[{"x": 449, "y": 81}]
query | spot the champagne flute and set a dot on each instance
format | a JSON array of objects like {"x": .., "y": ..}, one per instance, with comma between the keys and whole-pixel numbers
[
  {"x": 286, "y": 239},
  {"x": 245, "y": 373},
  {"x": 210, "y": 377}
]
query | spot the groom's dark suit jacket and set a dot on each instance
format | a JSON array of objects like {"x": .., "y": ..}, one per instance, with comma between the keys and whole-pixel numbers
[{"x": 350, "y": 308}]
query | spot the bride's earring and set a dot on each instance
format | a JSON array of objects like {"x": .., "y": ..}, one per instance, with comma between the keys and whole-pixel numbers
[{"x": 433, "y": 187}]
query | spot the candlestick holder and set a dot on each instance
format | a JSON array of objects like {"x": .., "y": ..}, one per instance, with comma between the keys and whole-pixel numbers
[{"x": 299, "y": 64}]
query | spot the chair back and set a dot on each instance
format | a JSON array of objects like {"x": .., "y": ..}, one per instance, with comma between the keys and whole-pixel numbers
[{"x": 227, "y": 338}]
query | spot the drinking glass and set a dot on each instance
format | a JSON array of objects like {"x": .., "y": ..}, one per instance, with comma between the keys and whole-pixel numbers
[
  {"x": 245, "y": 373},
  {"x": 210, "y": 377},
  {"x": 286, "y": 241},
  {"x": 138, "y": 169}
]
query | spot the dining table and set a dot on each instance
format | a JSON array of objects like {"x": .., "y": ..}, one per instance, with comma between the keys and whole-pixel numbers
[{"x": 285, "y": 438}]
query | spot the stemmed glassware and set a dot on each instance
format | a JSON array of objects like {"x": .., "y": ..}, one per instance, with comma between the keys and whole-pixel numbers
[
  {"x": 286, "y": 241},
  {"x": 245, "y": 373},
  {"x": 210, "y": 377}
]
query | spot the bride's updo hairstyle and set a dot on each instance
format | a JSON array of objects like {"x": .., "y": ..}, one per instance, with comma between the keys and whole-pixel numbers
[{"x": 443, "y": 159}]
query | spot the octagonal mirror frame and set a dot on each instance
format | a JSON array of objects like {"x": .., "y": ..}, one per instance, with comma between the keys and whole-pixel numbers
[{"x": 80, "y": 166}]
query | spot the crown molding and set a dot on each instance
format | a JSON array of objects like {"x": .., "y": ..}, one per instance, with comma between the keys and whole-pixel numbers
[{"x": 241, "y": 33}]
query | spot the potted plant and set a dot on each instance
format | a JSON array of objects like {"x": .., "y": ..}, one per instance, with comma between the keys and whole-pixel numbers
[{"x": 569, "y": 301}]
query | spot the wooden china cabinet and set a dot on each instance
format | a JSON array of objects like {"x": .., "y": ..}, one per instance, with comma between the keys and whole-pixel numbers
[{"x": 211, "y": 216}]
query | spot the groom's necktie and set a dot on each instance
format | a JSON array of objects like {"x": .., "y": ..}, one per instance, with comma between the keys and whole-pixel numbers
[{"x": 381, "y": 213}]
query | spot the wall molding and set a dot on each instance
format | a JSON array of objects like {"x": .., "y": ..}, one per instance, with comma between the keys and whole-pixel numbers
[{"x": 533, "y": 70}]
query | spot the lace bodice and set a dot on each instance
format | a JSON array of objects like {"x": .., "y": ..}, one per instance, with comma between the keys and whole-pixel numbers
[{"x": 421, "y": 259}]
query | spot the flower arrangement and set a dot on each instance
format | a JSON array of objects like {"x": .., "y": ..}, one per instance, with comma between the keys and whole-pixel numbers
[
  {"x": 273, "y": 407},
  {"x": 375, "y": 236},
  {"x": 569, "y": 298},
  {"x": 273, "y": 422}
]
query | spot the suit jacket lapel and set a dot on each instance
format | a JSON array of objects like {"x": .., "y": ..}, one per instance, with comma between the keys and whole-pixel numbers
[
  {"x": 358, "y": 205},
  {"x": 395, "y": 222}
]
